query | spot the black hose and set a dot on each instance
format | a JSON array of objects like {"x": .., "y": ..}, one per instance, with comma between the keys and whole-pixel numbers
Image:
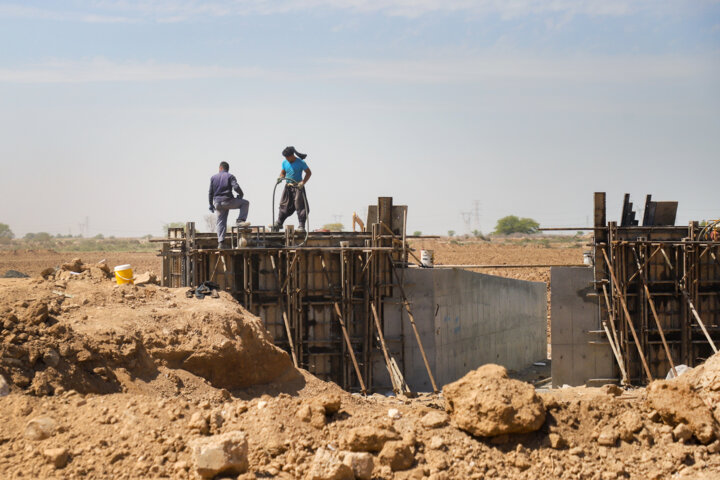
[{"x": 307, "y": 207}]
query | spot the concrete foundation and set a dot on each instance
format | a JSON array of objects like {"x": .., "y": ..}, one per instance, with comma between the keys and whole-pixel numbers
[
  {"x": 465, "y": 319},
  {"x": 581, "y": 354}
]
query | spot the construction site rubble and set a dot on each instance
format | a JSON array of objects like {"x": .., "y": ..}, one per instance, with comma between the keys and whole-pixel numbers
[
  {"x": 487, "y": 403},
  {"x": 138, "y": 381}
]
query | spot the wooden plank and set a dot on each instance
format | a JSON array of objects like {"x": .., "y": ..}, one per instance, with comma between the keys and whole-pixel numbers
[
  {"x": 614, "y": 339},
  {"x": 654, "y": 312},
  {"x": 406, "y": 304},
  {"x": 345, "y": 333},
  {"x": 288, "y": 332},
  {"x": 690, "y": 304},
  {"x": 385, "y": 210},
  {"x": 627, "y": 315},
  {"x": 397, "y": 388}
]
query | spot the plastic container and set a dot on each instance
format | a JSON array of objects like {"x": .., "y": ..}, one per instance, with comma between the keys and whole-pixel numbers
[
  {"x": 427, "y": 258},
  {"x": 124, "y": 274}
]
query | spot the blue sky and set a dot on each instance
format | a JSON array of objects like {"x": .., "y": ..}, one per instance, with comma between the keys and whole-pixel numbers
[{"x": 121, "y": 110}]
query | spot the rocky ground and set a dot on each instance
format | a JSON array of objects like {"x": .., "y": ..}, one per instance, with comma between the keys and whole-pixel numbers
[{"x": 105, "y": 381}]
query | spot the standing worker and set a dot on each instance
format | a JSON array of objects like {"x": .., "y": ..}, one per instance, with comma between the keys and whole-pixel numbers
[
  {"x": 222, "y": 200},
  {"x": 293, "y": 198}
]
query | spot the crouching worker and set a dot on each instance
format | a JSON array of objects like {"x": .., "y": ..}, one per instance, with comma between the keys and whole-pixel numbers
[
  {"x": 222, "y": 200},
  {"x": 293, "y": 197}
]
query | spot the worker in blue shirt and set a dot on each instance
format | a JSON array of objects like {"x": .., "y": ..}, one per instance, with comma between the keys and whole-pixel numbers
[
  {"x": 292, "y": 199},
  {"x": 222, "y": 200}
]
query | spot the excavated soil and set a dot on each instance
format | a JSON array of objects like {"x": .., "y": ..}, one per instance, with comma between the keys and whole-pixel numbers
[
  {"x": 125, "y": 382},
  {"x": 32, "y": 262}
]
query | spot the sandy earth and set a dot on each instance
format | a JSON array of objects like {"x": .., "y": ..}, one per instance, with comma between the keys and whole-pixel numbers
[
  {"x": 142, "y": 382},
  {"x": 485, "y": 253},
  {"x": 32, "y": 262}
]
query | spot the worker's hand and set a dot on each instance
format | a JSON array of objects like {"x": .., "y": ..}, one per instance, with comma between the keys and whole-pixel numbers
[
  {"x": 300, "y": 185},
  {"x": 280, "y": 179},
  {"x": 212, "y": 209}
]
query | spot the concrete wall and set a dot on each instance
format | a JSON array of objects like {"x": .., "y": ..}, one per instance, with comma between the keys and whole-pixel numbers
[
  {"x": 466, "y": 319},
  {"x": 580, "y": 352}
]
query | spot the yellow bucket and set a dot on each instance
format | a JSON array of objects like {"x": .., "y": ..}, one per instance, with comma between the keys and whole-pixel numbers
[{"x": 123, "y": 274}]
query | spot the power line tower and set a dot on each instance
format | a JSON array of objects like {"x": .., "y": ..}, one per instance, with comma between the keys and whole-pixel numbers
[
  {"x": 84, "y": 227},
  {"x": 467, "y": 218},
  {"x": 476, "y": 213}
]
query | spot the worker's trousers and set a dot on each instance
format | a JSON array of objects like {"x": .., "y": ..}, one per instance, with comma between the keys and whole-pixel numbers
[
  {"x": 223, "y": 207},
  {"x": 292, "y": 200}
]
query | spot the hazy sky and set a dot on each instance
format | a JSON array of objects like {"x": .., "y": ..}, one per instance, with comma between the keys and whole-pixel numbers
[{"x": 120, "y": 111}]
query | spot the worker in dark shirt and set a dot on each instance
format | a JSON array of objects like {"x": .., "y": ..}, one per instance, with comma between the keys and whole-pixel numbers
[{"x": 222, "y": 200}]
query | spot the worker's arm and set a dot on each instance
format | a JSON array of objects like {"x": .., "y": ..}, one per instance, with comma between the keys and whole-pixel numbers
[
  {"x": 236, "y": 187},
  {"x": 281, "y": 176},
  {"x": 308, "y": 173},
  {"x": 210, "y": 197}
]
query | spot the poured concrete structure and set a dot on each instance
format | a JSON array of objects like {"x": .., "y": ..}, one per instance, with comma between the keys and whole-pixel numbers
[
  {"x": 331, "y": 298},
  {"x": 465, "y": 319},
  {"x": 581, "y": 354}
]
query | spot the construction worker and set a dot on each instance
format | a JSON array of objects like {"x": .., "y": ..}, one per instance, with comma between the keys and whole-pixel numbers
[
  {"x": 293, "y": 197},
  {"x": 222, "y": 200}
]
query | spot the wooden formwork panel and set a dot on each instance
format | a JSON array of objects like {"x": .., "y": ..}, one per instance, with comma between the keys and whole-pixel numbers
[
  {"x": 300, "y": 292},
  {"x": 681, "y": 274}
]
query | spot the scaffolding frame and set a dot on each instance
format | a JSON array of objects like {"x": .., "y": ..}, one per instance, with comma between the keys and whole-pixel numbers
[
  {"x": 322, "y": 300},
  {"x": 658, "y": 290}
]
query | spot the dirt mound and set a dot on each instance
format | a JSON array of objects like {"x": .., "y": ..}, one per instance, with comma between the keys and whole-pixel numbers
[
  {"x": 32, "y": 262},
  {"x": 677, "y": 403},
  {"x": 79, "y": 331},
  {"x": 705, "y": 380},
  {"x": 691, "y": 400},
  {"x": 486, "y": 403},
  {"x": 126, "y": 403}
]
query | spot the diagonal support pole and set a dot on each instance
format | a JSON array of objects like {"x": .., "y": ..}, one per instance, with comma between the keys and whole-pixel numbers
[
  {"x": 654, "y": 312},
  {"x": 689, "y": 301},
  {"x": 397, "y": 383},
  {"x": 406, "y": 304},
  {"x": 344, "y": 331},
  {"x": 627, "y": 314},
  {"x": 284, "y": 313},
  {"x": 614, "y": 343}
]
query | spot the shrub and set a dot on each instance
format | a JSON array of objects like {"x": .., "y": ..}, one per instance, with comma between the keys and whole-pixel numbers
[{"x": 514, "y": 224}]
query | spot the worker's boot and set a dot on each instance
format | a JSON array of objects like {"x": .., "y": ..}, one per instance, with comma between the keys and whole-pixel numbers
[
  {"x": 300, "y": 228},
  {"x": 242, "y": 223}
]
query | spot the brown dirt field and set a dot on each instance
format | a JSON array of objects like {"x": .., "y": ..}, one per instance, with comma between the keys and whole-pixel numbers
[
  {"x": 120, "y": 382},
  {"x": 485, "y": 253},
  {"x": 32, "y": 262}
]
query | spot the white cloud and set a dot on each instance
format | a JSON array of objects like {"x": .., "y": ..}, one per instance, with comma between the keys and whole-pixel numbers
[
  {"x": 186, "y": 10},
  {"x": 103, "y": 70},
  {"x": 471, "y": 69},
  {"x": 620, "y": 69},
  {"x": 29, "y": 12}
]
